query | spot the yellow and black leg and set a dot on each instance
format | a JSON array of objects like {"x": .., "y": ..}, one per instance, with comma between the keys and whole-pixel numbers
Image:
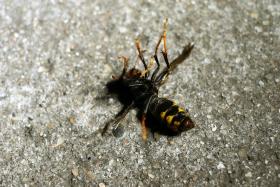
[
  {"x": 140, "y": 55},
  {"x": 171, "y": 66},
  {"x": 164, "y": 51},
  {"x": 165, "y": 72},
  {"x": 156, "y": 59}
]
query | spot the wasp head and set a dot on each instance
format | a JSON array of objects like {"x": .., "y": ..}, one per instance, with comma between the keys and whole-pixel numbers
[
  {"x": 133, "y": 73},
  {"x": 187, "y": 124}
]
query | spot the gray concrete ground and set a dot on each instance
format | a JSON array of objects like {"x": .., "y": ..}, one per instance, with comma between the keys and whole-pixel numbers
[{"x": 56, "y": 57}]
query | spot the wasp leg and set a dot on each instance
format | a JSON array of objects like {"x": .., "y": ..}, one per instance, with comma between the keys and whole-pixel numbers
[
  {"x": 164, "y": 51},
  {"x": 144, "y": 127},
  {"x": 156, "y": 136},
  {"x": 156, "y": 59},
  {"x": 119, "y": 117},
  {"x": 146, "y": 72},
  {"x": 165, "y": 73},
  {"x": 143, "y": 120},
  {"x": 140, "y": 55},
  {"x": 183, "y": 56}
]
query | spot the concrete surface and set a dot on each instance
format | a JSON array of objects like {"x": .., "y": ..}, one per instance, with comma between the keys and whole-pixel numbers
[{"x": 56, "y": 56}]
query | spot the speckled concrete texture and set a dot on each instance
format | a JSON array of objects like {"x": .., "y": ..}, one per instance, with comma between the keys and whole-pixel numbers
[{"x": 56, "y": 57}]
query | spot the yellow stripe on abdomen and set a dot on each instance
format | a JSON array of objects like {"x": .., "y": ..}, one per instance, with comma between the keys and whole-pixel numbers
[
  {"x": 168, "y": 115},
  {"x": 162, "y": 115},
  {"x": 169, "y": 119},
  {"x": 181, "y": 110}
]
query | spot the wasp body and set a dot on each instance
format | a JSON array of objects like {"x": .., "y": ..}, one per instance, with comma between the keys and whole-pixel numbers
[{"x": 139, "y": 89}]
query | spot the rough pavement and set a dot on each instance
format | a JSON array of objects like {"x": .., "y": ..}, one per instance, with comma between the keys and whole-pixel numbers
[{"x": 56, "y": 56}]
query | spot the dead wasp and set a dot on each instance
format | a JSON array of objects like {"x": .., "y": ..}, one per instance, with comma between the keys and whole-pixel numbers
[{"x": 139, "y": 89}]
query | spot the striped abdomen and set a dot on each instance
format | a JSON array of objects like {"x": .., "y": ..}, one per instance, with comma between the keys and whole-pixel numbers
[{"x": 171, "y": 116}]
